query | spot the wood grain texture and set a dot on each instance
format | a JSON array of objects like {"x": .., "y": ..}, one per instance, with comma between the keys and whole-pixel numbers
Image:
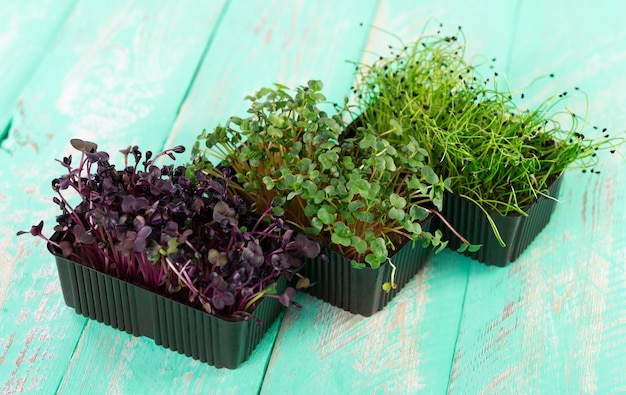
[
  {"x": 117, "y": 75},
  {"x": 405, "y": 348},
  {"x": 262, "y": 43},
  {"x": 28, "y": 29},
  {"x": 555, "y": 321},
  {"x": 157, "y": 73},
  {"x": 107, "y": 361}
]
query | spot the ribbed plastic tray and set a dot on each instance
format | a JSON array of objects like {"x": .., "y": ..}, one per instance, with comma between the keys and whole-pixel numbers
[
  {"x": 517, "y": 231},
  {"x": 359, "y": 291},
  {"x": 171, "y": 324}
]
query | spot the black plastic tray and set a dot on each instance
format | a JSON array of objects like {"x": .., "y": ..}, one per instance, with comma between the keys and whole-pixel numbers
[
  {"x": 171, "y": 324},
  {"x": 517, "y": 231},
  {"x": 359, "y": 291}
]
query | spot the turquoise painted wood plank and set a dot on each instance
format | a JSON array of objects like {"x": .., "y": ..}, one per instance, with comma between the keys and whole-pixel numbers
[
  {"x": 264, "y": 43},
  {"x": 28, "y": 30},
  {"x": 409, "y": 346},
  {"x": 397, "y": 350},
  {"x": 123, "y": 364},
  {"x": 117, "y": 74},
  {"x": 129, "y": 76},
  {"x": 555, "y": 321},
  {"x": 488, "y": 26}
]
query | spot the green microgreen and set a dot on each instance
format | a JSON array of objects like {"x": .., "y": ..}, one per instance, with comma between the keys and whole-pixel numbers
[
  {"x": 493, "y": 152},
  {"x": 362, "y": 197}
]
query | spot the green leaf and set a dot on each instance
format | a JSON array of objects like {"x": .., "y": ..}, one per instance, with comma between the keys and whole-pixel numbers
[
  {"x": 341, "y": 229},
  {"x": 373, "y": 261},
  {"x": 429, "y": 175},
  {"x": 396, "y": 214},
  {"x": 359, "y": 244},
  {"x": 438, "y": 201},
  {"x": 326, "y": 217},
  {"x": 378, "y": 248},
  {"x": 390, "y": 164},
  {"x": 269, "y": 182},
  {"x": 419, "y": 213},
  {"x": 278, "y": 211},
  {"x": 316, "y": 225},
  {"x": 172, "y": 246},
  {"x": 441, "y": 247},
  {"x": 274, "y": 132},
  {"x": 357, "y": 265},
  {"x": 362, "y": 186},
  {"x": 437, "y": 238},
  {"x": 319, "y": 197},
  {"x": 347, "y": 216},
  {"x": 314, "y": 174},
  {"x": 275, "y": 120},
  {"x": 365, "y": 216},
  {"x": 310, "y": 210},
  {"x": 387, "y": 287},
  {"x": 462, "y": 248},
  {"x": 330, "y": 190},
  {"x": 341, "y": 240},
  {"x": 397, "y": 200},
  {"x": 396, "y": 128},
  {"x": 347, "y": 163},
  {"x": 355, "y": 205},
  {"x": 309, "y": 186},
  {"x": 413, "y": 227},
  {"x": 474, "y": 247},
  {"x": 315, "y": 85},
  {"x": 380, "y": 163},
  {"x": 319, "y": 97}
]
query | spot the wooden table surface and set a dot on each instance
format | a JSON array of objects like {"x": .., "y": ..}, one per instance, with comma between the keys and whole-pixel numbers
[{"x": 155, "y": 73}]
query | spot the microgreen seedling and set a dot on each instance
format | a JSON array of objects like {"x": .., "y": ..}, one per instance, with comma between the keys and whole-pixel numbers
[
  {"x": 176, "y": 232},
  {"x": 362, "y": 197},
  {"x": 501, "y": 157}
]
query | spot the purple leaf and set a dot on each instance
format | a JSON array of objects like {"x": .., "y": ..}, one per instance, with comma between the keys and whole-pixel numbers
[
  {"x": 308, "y": 247},
  {"x": 223, "y": 212},
  {"x": 99, "y": 156},
  {"x": 253, "y": 254},
  {"x": 35, "y": 230},
  {"x": 85, "y": 146},
  {"x": 66, "y": 248},
  {"x": 222, "y": 299},
  {"x": 81, "y": 235},
  {"x": 131, "y": 204},
  {"x": 287, "y": 297},
  {"x": 141, "y": 239}
]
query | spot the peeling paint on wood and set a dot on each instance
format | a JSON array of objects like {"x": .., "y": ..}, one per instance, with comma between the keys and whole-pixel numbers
[{"x": 156, "y": 74}]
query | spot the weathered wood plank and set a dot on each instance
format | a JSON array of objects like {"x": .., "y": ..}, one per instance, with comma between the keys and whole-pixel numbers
[
  {"x": 109, "y": 362},
  {"x": 555, "y": 321},
  {"x": 263, "y": 43},
  {"x": 409, "y": 346},
  {"x": 28, "y": 29},
  {"x": 258, "y": 43},
  {"x": 117, "y": 74},
  {"x": 405, "y": 348}
]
